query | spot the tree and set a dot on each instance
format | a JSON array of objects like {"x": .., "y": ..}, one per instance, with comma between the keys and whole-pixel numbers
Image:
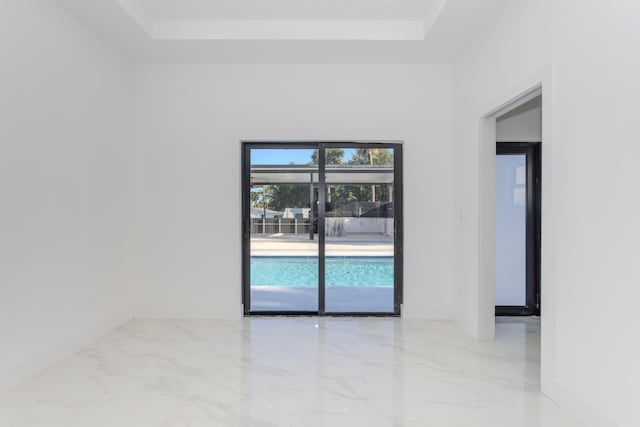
[
  {"x": 332, "y": 156},
  {"x": 373, "y": 156},
  {"x": 254, "y": 197},
  {"x": 261, "y": 196},
  {"x": 288, "y": 196}
]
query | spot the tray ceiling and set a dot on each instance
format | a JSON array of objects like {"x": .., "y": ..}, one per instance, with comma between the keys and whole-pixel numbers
[{"x": 286, "y": 31}]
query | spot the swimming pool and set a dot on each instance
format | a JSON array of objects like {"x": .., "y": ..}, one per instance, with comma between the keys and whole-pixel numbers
[{"x": 303, "y": 271}]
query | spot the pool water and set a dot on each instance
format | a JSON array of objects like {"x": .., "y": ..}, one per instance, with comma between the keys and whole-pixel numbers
[{"x": 303, "y": 271}]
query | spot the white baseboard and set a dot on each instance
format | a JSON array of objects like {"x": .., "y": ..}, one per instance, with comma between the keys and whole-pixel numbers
[
  {"x": 584, "y": 412},
  {"x": 433, "y": 312},
  {"x": 39, "y": 362},
  {"x": 187, "y": 312}
]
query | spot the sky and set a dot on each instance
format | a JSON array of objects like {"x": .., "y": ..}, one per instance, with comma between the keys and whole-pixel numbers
[{"x": 285, "y": 156}]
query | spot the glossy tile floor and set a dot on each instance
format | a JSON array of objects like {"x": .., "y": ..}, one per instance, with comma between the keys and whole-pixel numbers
[{"x": 292, "y": 372}]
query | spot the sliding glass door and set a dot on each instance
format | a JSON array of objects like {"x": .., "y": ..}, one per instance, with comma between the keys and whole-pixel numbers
[
  {"x": 321, "y": 230},
  {"x": 283, "y": 249},
  {"x": 517, "y": 286},
  {"x": 359, "y": 229}
]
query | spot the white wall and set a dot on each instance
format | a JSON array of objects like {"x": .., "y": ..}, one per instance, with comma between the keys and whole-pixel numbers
[
  {"x": 63, "y": 115},
  {"x": 190, "y": 120},
  {"x": 522, "y": 124},
  {"x": 510, "y": 50},
  {"x": 585, "y": 55}
]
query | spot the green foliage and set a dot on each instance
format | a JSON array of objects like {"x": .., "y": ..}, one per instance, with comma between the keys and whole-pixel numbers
[
  {"x": 372, "y": 156},
  {"x": 367, "y": 156},
  {"x": 254, "y": 198},
  {"x": 359, "y": 193},
  {"x": 284, "y": 196},
  {"x": 332, "y": 156}
]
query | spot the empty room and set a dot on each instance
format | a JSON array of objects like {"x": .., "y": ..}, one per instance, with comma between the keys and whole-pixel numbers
[{"x": 319, "y": 213}]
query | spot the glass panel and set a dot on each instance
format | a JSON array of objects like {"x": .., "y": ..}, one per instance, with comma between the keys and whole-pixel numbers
[
  {"x": 359, "y": 272},
  {"x": 284, "y": 250},
  {"x": 511, "y": 229}
]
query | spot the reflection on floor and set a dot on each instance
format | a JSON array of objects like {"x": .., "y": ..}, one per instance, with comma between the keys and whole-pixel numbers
[{"x": 299, "y": 371}]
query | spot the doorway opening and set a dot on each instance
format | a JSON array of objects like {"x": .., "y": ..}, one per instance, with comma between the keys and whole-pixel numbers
[
  {"x": 517, "y": 233},
  {"x": 518, "y": 136},
  {"x": 322, "y": 228}
]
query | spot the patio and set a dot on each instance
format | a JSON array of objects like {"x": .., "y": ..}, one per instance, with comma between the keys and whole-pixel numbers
[{"x": 360, "y": 244}]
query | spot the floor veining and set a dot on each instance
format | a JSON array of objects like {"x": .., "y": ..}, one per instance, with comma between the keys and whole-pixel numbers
[{"x": 293, "y": 371}]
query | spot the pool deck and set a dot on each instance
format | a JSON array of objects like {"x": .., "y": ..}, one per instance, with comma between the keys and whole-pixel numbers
[
  {"x": 339, "y": 299},
  {"x": 360, "y": 244}
]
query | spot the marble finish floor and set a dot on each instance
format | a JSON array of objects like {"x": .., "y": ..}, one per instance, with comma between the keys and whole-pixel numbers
[{"x": 298, "y": 371}]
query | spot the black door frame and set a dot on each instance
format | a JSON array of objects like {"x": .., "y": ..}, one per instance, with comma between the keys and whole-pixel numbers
[
  {"x": 247, "y": 146},
  {"x": 533, "y": 222}
]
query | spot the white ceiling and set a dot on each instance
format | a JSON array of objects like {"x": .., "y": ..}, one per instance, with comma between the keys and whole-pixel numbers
[
  {"x": 283, "y": 19},
  {"x": 286, "y": 31},
  {"x": 279, "y": 10}
]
